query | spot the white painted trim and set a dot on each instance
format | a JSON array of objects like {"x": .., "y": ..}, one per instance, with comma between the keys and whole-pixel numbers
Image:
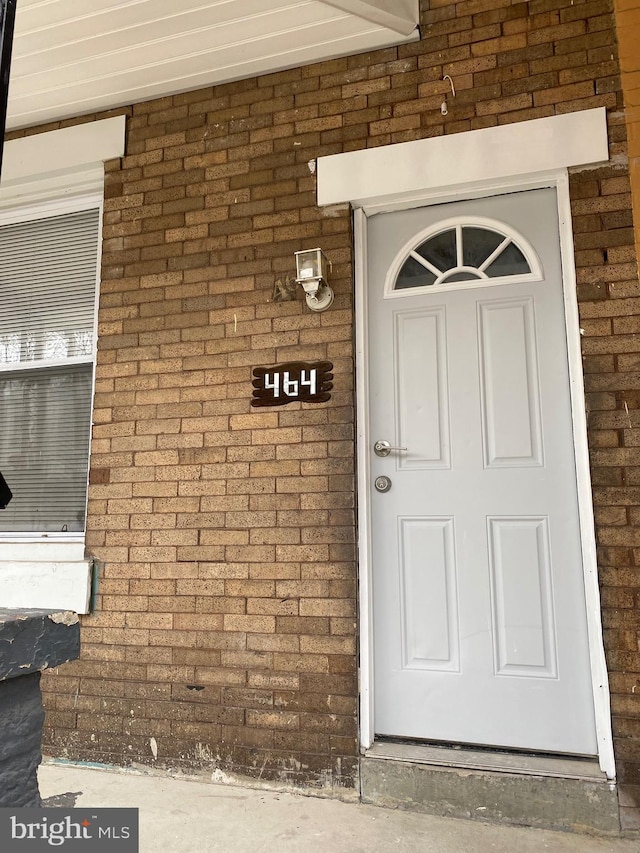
[
  {"x": 26, "y": 549},
  {"x": 409, "y": 171},
  {"x": 65, "y": 150},
  {"x": 41, "y": 209},
  {"x": 51, "y": 186},
  {"x": 402, "y": 16},
  {"x": 66, "y": 162},
  {"x": 601, "y": 697},
  {"x": 363, "y": 442},
  {"x": 48, "y": 584},
  {"x": 599, "y": 674},
  {"x": 17, "y": 366}
]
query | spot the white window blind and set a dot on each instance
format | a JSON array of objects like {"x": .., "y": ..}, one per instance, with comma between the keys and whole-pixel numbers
[{"x": 47, "y": 305}]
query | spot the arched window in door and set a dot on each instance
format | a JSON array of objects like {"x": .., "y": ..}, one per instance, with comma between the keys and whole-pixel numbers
[{"x": 464, "y": 253}]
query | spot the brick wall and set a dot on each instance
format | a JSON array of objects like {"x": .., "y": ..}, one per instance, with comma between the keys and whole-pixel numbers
[
  {"x": 225, "y": 628},
  {"x": 628, "y": 30}
]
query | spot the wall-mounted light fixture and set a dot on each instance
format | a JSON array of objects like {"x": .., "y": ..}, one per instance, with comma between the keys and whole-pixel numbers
[{"x": 312, "y": 267}]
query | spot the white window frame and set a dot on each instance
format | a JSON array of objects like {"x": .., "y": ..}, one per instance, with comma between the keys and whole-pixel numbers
[
  {"x": 45, "y": 175},
  {"x": 32, "y": 213}
]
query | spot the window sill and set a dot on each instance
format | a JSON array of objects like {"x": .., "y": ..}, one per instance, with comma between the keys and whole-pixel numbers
[
  {"x": 47, "y": 575},
  {"x": 31, "y": 549}
]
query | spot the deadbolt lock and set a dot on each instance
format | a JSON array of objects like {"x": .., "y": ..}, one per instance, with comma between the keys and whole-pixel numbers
[{"x": 383, "y": 484}]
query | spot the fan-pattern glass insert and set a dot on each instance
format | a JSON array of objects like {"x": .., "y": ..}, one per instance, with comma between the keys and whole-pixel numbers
[{"x": 462, "y": 253}]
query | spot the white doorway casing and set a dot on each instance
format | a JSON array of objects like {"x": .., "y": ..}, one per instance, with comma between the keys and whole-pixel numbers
[{"x": 489, "y": 162}]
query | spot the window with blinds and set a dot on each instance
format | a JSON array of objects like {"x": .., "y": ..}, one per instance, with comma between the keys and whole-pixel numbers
[{"x": 48, "y": 271}]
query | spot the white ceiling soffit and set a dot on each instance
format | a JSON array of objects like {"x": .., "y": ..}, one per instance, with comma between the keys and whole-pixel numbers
[
  {"x": 398, "y": 15},
  {"x": 72, "y": 57}
]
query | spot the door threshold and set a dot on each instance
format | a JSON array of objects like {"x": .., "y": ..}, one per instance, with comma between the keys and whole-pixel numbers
[
  {"x": 519, "y": 763},
  {"x": 546, "y": 791}
]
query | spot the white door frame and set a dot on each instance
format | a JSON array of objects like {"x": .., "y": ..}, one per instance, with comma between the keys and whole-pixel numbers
[{"x": 538, "y": 143}]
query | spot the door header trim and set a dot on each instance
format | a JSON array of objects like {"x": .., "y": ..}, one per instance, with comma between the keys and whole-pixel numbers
[{"x": 409, "y": 171}]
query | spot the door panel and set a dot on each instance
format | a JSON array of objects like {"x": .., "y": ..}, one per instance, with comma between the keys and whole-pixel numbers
[
  {"x": 421, "y": 383},
  {"x": 520, "y": 577},
  {"x": 429, "y": 599},
  {"x": 478, "y": 598},
  {"x": 510, "y": 403}
]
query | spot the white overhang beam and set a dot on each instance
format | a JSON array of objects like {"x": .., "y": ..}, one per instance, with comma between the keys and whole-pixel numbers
[
  {"x": 398, "y": 15},
  {"x": 410, "y": 171}
]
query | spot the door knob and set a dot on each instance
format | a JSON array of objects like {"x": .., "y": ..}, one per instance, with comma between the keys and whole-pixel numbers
[{"x": 383, "y": 448}]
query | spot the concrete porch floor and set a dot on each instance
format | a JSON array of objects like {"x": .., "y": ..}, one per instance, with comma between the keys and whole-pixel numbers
[{"x": 179, "y": 814}]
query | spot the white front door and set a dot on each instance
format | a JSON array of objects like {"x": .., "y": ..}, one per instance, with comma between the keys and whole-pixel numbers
[{"x": 479, "y": 616}]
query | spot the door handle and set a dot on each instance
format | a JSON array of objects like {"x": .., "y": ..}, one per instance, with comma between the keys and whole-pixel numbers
[{"x": 383, "y": 448}]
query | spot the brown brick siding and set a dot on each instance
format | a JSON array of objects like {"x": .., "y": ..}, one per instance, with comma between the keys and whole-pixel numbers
[
  {"x": 628, "y": 28},
  {"x": 226, "y": 535}
]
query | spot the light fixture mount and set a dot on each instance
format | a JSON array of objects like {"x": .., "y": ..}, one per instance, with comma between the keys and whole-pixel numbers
[{"x": 312, "y": 266}]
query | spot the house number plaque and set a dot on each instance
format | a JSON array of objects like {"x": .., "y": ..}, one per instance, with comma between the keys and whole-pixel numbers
[{"x": 297, "y": 381}]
